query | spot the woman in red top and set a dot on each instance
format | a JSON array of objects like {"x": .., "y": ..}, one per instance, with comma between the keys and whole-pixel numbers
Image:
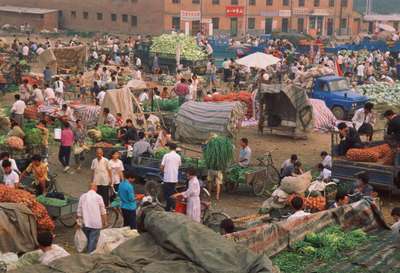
[{"x": 67, "y": 140}]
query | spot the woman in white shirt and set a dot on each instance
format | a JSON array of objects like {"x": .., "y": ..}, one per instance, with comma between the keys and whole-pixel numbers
[
  {"x": 59, "y": 87},
  {"x": 116, "y": 167}
]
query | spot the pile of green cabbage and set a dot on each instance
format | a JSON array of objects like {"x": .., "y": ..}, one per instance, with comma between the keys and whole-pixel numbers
[
  {"x": 167, "y": 43},
  {"x": 382, "y": 93}
]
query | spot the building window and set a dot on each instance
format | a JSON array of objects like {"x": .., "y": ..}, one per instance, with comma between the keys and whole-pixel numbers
[
  {"x": 252, "y": 2},
  {"x": 195, "y": 1},
  {"x": 215, "y": 2},
  {"x": 344, "y": 3},
  {"x": 99, "y": 16},
  {"x": 300, "y": 25},
  {"x": 124, "y": 18},
  {"x": 176, "y": 23},
  {"x": 215, "y": 22},
  {"x": 331, "y": 3},
  {"x": 285, "y": 2},
  {"x": 85, "y": 15},
  {"x": 316, "y": 3},
  {"x": 134, "y": 21},
  {"x": 343, "y": 23},
  {"x": 269, "y": 2},
  {"x": 285, "y": 24},
  {"x": 113, "y": 17},
  {"x": 73, "y": 14},
  {"x": 176, "y": 1},
  {"x": 234, "y": 2},
  {"x": 301, "y": 3},
  {"x": 251, "y": 23}
]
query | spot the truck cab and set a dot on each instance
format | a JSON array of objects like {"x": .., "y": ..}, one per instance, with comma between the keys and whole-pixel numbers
[{"x": 337, "y": 94}]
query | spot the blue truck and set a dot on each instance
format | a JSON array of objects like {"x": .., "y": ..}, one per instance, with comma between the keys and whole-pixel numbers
[{"x": 337, "y": 94}]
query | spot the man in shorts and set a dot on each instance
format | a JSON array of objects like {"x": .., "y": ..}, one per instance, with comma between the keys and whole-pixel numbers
[{"x": 215, "y": 177}]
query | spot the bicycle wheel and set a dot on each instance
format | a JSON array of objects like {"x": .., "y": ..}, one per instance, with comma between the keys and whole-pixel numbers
[
  {"x": 113, "y": 215},
  {"x": 213, "y": 220},
  {"x": 259, "y": 185},
  {"x": 68, "y": 221}
]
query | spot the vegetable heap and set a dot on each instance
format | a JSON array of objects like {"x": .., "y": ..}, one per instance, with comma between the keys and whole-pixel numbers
[
  {"x": 10, "y": 195},
  {"x": 160, "y": 152},
  {"x": 382, "y": 93},
  {"x": 54, "y": 202},
  {"x": 238, "y": 174},
  {"x": 167, "y": 43},
  {"x": 169, "y": 105},
  {"x": 107, "y": 133},
  {"x": 194, "y": 163},
  {"x": 218, "y": 153},
  {"x": 328, "y": 246},
  {"x": 33, "y": 137}
]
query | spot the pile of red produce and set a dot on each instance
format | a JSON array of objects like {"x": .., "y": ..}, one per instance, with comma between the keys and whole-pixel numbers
[
  {"x": 242, "y": 96},
  {"x": 10, "y": 195}
]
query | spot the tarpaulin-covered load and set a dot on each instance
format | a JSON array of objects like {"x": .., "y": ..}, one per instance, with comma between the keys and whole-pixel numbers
[
  {"x": 172, "y": 244},
  {"x": 18, "y": 230},
  {"x": 324, "y": 119},
  {"x": 284, "y": 105},
  {"x": 73, "y": 57},
  {"x": 196, "y": 120},
  {"x": 275, "y": 237},
  {"x": 47, "y": 58}
]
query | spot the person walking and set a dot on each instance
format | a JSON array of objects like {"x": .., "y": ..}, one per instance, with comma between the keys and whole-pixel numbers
[
  {"x": 79, "y": 143},
  {"x": 101, "y": 176},
  {"x": 92, "y": 216},
  {"x": 17, "y": 110},
  {"x": 67, "y": 140},
  {"x": 170, "y": 167},
  {"x": 116, "y": 168},
  {"x": 126, "y": 194}
]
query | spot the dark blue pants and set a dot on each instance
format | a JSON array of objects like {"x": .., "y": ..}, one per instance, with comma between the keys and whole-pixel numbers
[
  {"x": 92, "y": 235},
  {"x": 169, "y": 189},
  {"x": 64, "y": 155},
  {"x": 129, "y": 218}
]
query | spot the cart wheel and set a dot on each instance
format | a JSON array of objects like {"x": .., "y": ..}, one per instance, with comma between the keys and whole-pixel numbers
[
  {"x": 259, "y": 185},
  {"x": 112, "y": 217},
  {"x": 273, "y": 175},
  {"x": 68, "y": 221},
  {"x": 214, "y": 219},
  {"x": 154, "y": 189}
]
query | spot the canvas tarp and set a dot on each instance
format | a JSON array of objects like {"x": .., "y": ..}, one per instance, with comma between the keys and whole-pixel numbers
[
  {"x": 196, "y": 120},
  {"x": 18, "y": 229},
  {"x": 118, "y": 101},
  {"x": 47, "y": 58},
  {"x": 73, "y": 57},
  {"x": 172, "y": 244},
  {"x": 272, "y": 238}
]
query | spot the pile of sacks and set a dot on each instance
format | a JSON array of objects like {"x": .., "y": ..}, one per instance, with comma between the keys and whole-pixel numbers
[{"x": 289, "y": 185}]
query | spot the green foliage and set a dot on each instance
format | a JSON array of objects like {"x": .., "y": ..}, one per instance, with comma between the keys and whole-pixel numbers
[
  {"x": 237, "y": 173},
  {"x": 33, "y": 137},
  {"x": 328, "y": 246},
  {"x": 47, "y": 201},
  {"x": 160, "y": 152},
  {"x": 218, "y": 153},
  {"x": 169, "y": 105},
  {"x": 107, "y": 133}
]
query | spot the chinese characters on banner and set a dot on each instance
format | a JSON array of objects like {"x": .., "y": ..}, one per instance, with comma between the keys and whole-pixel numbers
[
  {"x": 190, "y": 15},
  {"x": 234, "y": 11}
]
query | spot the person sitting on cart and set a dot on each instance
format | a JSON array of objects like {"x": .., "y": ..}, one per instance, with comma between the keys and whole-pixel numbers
[
  {"x": 192, "y": 195},
  {"x": 349, "y": 139},
  {"x": 364, "y": 120},
  {"x": 362, "y": 186},
  {"x": 51, "y": 252},
  {"x": 393, "y": 127},
  {"x": 40, "y": 171},
  {"x": 142, "y": 147},
  {"x": 245, "y": 153},
  {"x": 324, "y": 173}
]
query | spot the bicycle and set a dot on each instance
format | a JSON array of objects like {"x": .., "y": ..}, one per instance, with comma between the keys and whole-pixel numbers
[{"x": 272, "y": 172}]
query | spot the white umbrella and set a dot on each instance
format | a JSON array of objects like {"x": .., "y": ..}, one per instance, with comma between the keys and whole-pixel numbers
[
  {"x": 386, "y": 27},
  {"x": 258, "y": 60}
]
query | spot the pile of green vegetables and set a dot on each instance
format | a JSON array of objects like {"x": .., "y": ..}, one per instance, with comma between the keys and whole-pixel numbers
[
  {"x": 237, "y": 173},
  {"x": 33, "y": 136},
  {"x": 168, "y": 105},
  {"x": 218, "y": 153},
  {"x": 166, "y": 44},
  {"x": 54, "y": 202},
  {"x": 382, "y": 93},
  {"x": 194, "y": 163},
  {"x": 328, "y": 246},
  {"x": 3, "y": 139},
  {"x": 160, "y": 152},
  {"x": 107, "y": 133}
]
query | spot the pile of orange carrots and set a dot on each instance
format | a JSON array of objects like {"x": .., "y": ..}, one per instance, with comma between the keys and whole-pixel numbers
[{"x": 242, "y": 96}]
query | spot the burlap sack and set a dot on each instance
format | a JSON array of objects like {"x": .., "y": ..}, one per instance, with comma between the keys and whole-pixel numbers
[{"x": 296, "y": 184}]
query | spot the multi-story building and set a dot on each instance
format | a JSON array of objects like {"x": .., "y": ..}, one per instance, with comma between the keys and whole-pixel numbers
[{"x": 235, "y": 17}]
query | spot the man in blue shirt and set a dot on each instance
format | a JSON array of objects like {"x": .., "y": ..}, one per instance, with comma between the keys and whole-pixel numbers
[{"x": 126, "y": 194}]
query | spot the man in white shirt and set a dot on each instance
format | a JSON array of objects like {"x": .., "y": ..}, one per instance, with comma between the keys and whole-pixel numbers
[
  {"x": 170, "y": 167},
  {"x": 143, "y": 96},
  {"x": 6, "y": 156},
  {"x": 17, "y": 110},
  {"x": 109, "y": 119},
  {"x": 364, "y": 120},
  {"x": 297, "y": 204},
  {"x": 37, "y": 95},
  {"x": 100, "y": 97},
  {"x": 361, "y": 72},
  {"x": 138, "y": 62},
  {"x": 25, "y": 51},
  {"x": 59, "y": 87},
  {"x": 10, "y": 177},
  {"x": 92, "y": 215},
  {"x": 49, "y": 94},
  {"x": 101, "y": 175},
  {"x": 51, "y": 252},
  {"x": 325, "y": 174}
]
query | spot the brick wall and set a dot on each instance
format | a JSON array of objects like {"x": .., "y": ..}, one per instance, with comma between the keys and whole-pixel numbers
[{"x": 36, "y": 21}]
